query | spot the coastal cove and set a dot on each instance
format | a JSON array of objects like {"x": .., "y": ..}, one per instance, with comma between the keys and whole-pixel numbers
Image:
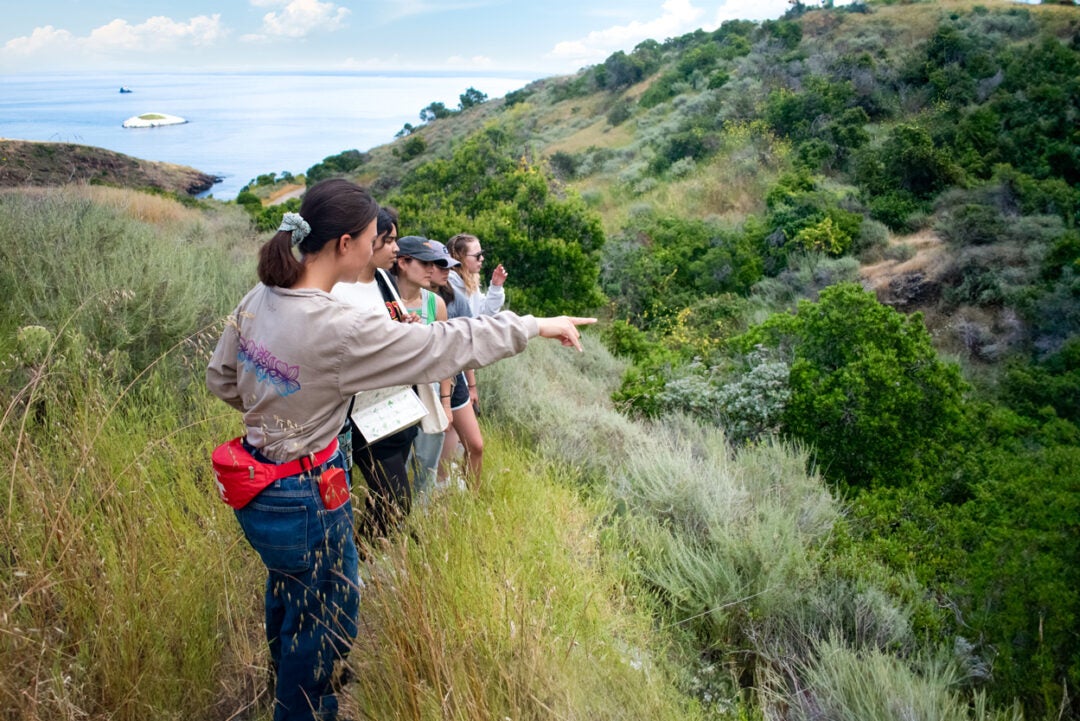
[{"x": 240, "y": 125}]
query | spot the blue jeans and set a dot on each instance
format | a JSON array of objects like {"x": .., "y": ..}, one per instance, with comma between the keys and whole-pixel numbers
[
  {"x": 312, "y": 589},
  {"x": 425, "y": 460}
]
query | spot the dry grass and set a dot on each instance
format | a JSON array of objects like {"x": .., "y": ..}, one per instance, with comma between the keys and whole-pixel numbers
[
  {"x": 930, "y": 259},
  {"x": 141, "y": 206},
  {"x": 904, "y": 25},
  {"x": 728, "y": 187},
  {"x": 599, "y": 134}
]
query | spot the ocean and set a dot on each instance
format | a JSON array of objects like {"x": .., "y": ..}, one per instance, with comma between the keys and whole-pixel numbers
[{"x": 240, "y": 125}]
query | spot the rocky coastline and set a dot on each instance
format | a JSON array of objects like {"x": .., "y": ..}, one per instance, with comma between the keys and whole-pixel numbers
[{"x": 24, "y": 162}]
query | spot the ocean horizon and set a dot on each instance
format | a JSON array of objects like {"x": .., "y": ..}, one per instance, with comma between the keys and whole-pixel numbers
[{"x": 240, "y": 124}]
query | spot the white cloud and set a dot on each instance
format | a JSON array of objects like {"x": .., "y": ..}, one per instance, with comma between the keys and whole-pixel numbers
[
  {"x": 401, "y": 9},
  {"x": 752, "y": 10},
  {"x": 49, "y": 47},
  {"x": 301, "y": 17},
  {"x": 677, "y": 17},
  {"x": 40, "y": 39},
  {"x": 156, "y": 33}
]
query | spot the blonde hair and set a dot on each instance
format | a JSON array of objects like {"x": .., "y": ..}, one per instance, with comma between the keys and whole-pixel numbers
[{"x": 459, "y": 247}]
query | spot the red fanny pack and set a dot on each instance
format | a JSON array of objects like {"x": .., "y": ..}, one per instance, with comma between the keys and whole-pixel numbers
[{"x": 240, "y": 477}]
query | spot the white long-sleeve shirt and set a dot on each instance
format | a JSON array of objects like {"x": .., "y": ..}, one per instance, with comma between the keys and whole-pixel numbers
[{"x": 479, "y": 303}]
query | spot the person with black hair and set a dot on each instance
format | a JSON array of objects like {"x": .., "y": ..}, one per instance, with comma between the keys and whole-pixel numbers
[
  {"x": 384, "y": 462},
  {"x": 418, "y": 260},
  {"x": 290, "y": 358}
]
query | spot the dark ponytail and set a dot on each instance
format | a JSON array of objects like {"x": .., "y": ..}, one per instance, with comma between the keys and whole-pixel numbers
[{"x": 332, "y": 208}]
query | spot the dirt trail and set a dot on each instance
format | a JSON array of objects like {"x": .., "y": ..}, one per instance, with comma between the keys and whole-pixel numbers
[{"x": 285, "y": 193}]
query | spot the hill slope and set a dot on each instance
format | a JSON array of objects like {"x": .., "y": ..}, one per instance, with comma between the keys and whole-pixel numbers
[{"x": 24, "y": 162}]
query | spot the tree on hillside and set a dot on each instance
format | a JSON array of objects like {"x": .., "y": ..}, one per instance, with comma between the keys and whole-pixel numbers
[
  {"x": 549, "y": 244},
  {"x": 867, "y": 388},
  {"x": 338, "y": 165},
  {"x": 471, "y": 98},
  {"x": 435, "y": 111},
  {"x": 668, "y": 263}
]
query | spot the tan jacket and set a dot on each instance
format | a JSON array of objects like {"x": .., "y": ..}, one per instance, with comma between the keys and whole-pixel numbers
[{"x": 290, "y": 360}]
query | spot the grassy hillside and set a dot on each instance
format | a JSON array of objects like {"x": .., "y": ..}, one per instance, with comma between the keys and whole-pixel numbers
[
  {"x": 612, "y": 135},
  {"x": 607, "y": 568},
  {"x": 749, "y": 184},
  {"x": 831, "y": 473},
  {"x": 23, "y": 162},
  {"x": 775, "y": 136}
]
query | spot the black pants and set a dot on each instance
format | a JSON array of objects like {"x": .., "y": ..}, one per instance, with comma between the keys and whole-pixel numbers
[{"x": 384, "y": 465}]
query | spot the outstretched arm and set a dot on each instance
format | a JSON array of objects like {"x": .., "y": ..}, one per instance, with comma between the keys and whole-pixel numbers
[{"x": 564, "y": 328}]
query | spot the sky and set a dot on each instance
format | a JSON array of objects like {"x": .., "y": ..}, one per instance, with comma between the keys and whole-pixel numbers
[{"x": 516, "y": 37}]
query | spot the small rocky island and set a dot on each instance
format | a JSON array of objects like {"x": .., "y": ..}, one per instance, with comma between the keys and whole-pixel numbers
[{"x": 153, "y": 120}]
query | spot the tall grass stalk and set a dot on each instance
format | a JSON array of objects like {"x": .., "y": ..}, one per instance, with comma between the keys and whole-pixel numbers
[
  {"x": 502, "y": 605},
  {"x": 847, "y": 685}
]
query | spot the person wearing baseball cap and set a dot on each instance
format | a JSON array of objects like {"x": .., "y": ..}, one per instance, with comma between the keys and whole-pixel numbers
[
  {"x": 425, "y": 250},
  {"x": 419, "y": 260}
]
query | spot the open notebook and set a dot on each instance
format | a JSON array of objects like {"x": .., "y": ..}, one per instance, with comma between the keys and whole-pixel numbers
[{"x": 380, "y": 413}]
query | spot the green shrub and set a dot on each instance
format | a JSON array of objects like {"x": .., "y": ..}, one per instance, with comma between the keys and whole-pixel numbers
[
  {"x": 471, "y": 98},
  {"x": 639, "y": 393},
  {"x": 752, "y": 403},
  {"x": 808, "y": 219},
  {"x": 564, "y": 165},
  {"x": 867, "y": 389},
  {"x": 335, "y": 165},
  {"x": 620, "y": 112},
  {"x": 620, "y": 70},
  {"x": 907, "y": 164},
  {"x": 250, "y": 201},
  {"x": 895, "y": 209},
  {"x": 718, "y": 80},
  {"x": 413, "y": 147},
  {"x": 971, "y": 224},
  {"x": 514, "y": 97},
  {"x": 871, "y": 241},
  {"x": 660, "y": 90},
  {"x": 824, "y": 236},
  {"x": 1054, "y": 382},
  {"x": 666, "y": 264},
  {"x": 1050, "y": 196},
  {"x": 574, "y": 87},
  {"x": 627, "y": 341},
  {"x": 549, "y": 241}
]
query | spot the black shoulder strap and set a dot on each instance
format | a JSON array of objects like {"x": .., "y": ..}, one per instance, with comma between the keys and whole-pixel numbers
[
  {"x": 390, "y": 295},
  {"x": 389, "y": 292}
]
